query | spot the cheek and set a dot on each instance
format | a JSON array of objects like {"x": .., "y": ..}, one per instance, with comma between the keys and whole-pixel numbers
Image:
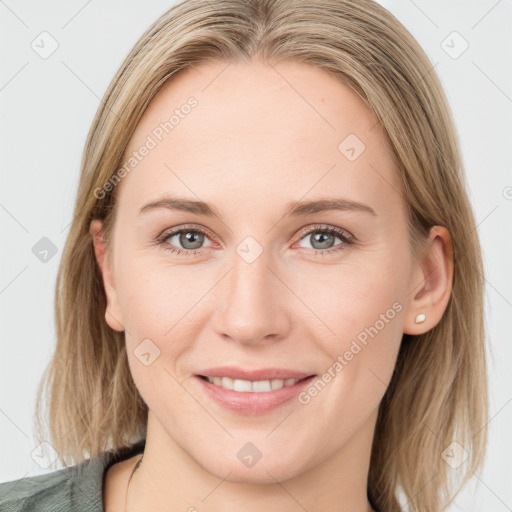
[
  {"x": 368, "y": 321},
  {"x": 367, "y": 336},
  {"x": 157, "y": 297},
  {"x": 162, "y": 307},
  {"x": 351, "y": 298},
  {"x": 158, "y": 333},
  {"x": 361, "y": 354},
  {"x": 361, "y": 322}
]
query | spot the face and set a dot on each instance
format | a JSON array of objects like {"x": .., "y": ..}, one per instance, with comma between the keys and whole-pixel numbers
[{"x": 264, "y": 277}]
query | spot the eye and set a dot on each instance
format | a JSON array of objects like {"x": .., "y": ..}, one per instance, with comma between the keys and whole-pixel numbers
[
  {"x": 322, "y": 239},
  {"x": 187, "y": 239}
]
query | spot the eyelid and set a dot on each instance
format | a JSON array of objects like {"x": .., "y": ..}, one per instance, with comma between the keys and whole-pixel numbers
[
  {"x": 327, "y": 227},
  {"x": 177, "y": 229}
]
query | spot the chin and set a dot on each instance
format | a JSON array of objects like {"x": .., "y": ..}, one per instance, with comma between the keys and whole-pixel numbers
[
  {"x": 262, "y": 475},
  {"x": 264, "y": 471}
]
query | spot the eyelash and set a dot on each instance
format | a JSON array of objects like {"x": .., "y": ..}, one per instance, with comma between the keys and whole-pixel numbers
[{"x": 331, "y": 230}]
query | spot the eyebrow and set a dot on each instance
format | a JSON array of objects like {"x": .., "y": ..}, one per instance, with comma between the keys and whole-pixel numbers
[{"x": 293, "y": 208}]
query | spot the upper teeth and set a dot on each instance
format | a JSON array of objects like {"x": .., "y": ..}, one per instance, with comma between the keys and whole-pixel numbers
[{"x": 246, "y": 385}]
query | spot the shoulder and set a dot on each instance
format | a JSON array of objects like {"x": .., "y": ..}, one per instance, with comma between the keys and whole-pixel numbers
[
  {"x": 56, "y": 491},
  {"x": 74, "y": 488}
]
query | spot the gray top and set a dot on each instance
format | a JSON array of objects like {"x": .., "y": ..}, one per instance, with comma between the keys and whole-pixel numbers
[{"x": 77, "y": 488}]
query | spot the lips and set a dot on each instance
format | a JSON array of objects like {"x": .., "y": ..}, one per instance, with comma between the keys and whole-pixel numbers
[{"x": 259, "y": 399}]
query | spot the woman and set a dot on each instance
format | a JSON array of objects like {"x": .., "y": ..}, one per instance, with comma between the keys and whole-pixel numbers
[{"x": 271, "y": 292}]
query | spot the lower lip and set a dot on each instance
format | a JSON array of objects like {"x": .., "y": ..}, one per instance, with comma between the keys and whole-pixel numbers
[{"x": 252, "y": 403}]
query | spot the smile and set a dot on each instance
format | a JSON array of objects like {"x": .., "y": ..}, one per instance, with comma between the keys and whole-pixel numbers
[
  {"x": 252, "y": 397},
  {"x": 246, "y": 386}
]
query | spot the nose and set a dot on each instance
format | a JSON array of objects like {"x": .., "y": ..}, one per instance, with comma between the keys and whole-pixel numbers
[{"x": 253, "y": 305}]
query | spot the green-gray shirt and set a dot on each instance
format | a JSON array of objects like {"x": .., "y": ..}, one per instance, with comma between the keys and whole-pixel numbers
[{"x": 77, "y": 488}]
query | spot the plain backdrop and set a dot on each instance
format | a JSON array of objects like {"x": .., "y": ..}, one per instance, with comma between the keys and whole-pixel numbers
[{"x": 47, "y": 106}]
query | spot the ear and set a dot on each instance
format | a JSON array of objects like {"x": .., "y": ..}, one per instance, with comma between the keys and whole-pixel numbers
[
  {"x": 113, "y": 315},
  {"x": 432, "y": 283}
]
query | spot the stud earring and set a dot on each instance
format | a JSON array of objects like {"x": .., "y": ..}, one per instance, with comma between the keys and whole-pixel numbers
[{"x": 420, "y": 318}]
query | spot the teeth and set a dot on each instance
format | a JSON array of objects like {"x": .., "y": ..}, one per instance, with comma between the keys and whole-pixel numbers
[{"x": 244, "y": 386}]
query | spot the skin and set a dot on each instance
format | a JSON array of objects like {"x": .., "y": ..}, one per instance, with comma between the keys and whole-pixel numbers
[{"x": 259, "y": 138}]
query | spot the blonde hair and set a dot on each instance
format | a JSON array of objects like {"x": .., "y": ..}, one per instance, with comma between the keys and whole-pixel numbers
[{"x": 438, "y": 392}]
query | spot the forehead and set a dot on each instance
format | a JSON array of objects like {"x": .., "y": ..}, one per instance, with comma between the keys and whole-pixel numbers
[{"x": 284, "y": 130}]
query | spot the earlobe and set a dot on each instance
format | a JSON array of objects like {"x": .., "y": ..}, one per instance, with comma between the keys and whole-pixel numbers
[
  {"x": 113, "y": 315},
  {"x": 434, "y": 273}
]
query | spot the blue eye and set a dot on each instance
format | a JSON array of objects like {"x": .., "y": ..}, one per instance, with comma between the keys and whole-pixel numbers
[{"x": 194, "y": 239}]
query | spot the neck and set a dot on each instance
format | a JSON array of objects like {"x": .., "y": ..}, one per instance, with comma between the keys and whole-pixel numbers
[{"x": 336, "y": 484}]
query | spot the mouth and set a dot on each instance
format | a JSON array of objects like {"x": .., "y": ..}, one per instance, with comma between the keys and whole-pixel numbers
[
  {"x": 256, "y": 395},
  {"x": 250, "y": 386}
]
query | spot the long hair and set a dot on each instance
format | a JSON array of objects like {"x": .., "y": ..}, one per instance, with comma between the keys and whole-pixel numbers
[{"x": 438, "y": 391}]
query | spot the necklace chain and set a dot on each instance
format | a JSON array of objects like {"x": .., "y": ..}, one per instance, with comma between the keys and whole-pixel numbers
[{"x": 130, "y": 479}]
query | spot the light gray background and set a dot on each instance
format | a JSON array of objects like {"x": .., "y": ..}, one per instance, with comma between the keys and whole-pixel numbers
[{"x": 47, "y": 106}]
